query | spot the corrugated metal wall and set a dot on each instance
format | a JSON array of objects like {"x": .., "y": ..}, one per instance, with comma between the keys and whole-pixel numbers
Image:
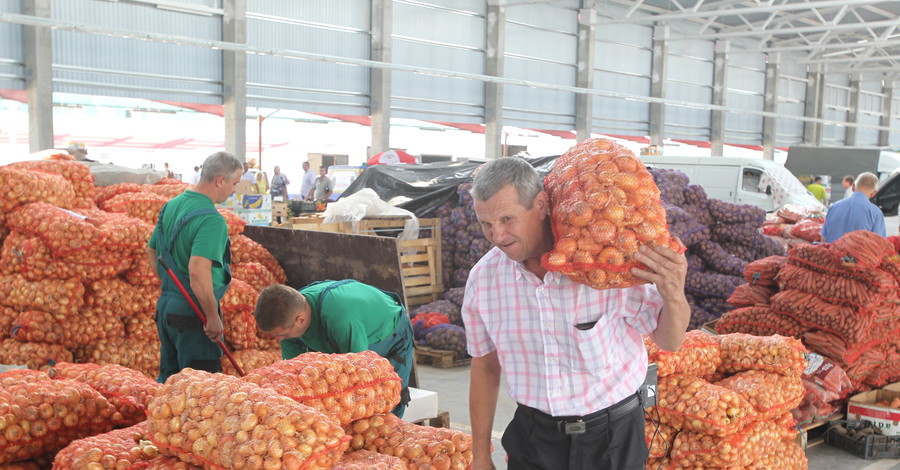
[
  {"x": 441, "y": 34},
  {"x": 746, "y": 91},
  {"x": 791, "y": 98},
  {"x": 690, "y": 78},
  {"x": 332, "y": 27},
  {"x": 541, "y": 45},
  {"x": 12, "y": 54},
  {"x": 871, "y": 100},
  {"x": 92, "y": 64},
  {"x": 623, "y": 63},
  {"x": 895, "y": 114},
  {"x": 836, "y": 106}
]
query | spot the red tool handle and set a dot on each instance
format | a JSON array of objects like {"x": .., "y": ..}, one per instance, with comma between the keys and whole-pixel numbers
[{"x": 202, "y": 317}]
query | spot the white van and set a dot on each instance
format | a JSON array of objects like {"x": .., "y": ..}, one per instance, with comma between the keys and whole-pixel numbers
[{"x": 763, "y": 183}]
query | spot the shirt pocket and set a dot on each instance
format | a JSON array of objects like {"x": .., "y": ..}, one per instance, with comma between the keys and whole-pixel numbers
[{"x": 591, "y": 344}]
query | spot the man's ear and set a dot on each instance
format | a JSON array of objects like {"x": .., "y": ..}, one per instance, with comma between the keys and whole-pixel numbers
[{"x": 543, "y": 202}]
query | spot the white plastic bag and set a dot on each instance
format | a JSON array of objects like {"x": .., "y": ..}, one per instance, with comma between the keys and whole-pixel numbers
[{"x": 366, "y": 203}]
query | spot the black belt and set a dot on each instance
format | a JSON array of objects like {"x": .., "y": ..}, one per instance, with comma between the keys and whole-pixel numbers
[{"x": 580, "y": 424}]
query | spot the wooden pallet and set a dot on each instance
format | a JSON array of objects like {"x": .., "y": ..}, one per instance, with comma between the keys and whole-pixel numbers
[
  {"x": 440, "y": 358},
  {"x": 442, "y": 420},
  {"x": 813, "y": 433}
]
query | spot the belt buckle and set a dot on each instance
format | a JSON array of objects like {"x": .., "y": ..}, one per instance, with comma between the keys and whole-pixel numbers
[{"x": 574, "y": 427}]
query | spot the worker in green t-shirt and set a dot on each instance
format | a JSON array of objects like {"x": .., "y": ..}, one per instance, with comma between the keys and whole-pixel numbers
[
  {"x": 817, "y": 189},
  {"x": 339, "y": 317},
  {"x": 191, "y": 237}
]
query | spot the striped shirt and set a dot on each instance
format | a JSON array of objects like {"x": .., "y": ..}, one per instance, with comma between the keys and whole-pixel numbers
[{"x": 549, "y": 364}]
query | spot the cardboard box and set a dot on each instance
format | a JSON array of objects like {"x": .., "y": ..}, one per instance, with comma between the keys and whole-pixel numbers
[
  {"x": 256, "y": 201},
  {"x": 244, "y": 187},
  {"x": 422, "y": 405},
  {"x": 279, "y": 209},
  {"x": 862, "y": 406},
  {"x": 255, "y": 216}
]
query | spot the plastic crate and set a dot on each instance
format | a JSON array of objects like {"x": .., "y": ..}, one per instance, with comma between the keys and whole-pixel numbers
[{"x": 870, "y": 447}]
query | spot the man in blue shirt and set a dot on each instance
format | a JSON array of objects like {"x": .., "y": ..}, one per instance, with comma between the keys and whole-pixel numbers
[{"x": 855, "y": 212}]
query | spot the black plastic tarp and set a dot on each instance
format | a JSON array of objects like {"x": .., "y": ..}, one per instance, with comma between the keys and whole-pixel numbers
[{"x": 421, "y": 189}]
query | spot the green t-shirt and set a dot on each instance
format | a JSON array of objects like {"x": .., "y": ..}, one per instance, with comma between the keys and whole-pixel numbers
[
  {"x": 352, "y": 316},
  {"x": 818, "y": 191},
  {"x": 204, "y": 236}
]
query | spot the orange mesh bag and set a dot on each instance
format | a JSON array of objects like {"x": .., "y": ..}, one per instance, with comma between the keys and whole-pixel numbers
[
  {"x": 245, "y": 250},
  {"x": 692, "y": 404},
  {"x": 32, "y": 259},
  {"x": 45, "y": 416},
  {"x": 604, "y": 206},
  {"x": 235, "y": 222},
  {"x": 218, "y": 421},
  {"x": 239, "y": 296},
  {"x": 7, "y": 317},
  {"x": 250, "y": 360},
  {"x": 778, "y": 354},
  {"x": 167, "y": 191},
  {"x": 837, "y": 289},
  {"x": 76, "y": 173},
  {"x": 142, "y": 205},
  {"x": 366, "y": 460},
  {"x": 699, "y": 355},
  {"x": 140, "y": 274},
  {"x": 659, "y": 439},
  {"x": 164, "y": 462},
  {"x": 128, "y": 390},
  {"x": 420, "y": 447},
  {"x": 762, "y": 272},
  {"x": 891, "y": 264},
  {"x": 142, "y": 356},
  {"x": 140, "y": 325},
  {"x": 105, "y": 193},
  {"x": 749, "y": 444},
  {"x": 120, "y": 449},
  {"x": 70, "y": 331},
  {"x": 772, "y": 395},
  {"x": 117, "y": 298},
  {"x": 786, "y": 456},
  {"x": 22, "y": 376},
  {"x": 170, "y": 181},
  {"x": 787, "y": 424},
  {"x": 807, "y": 229},
  {"x": 758, "y": 321},
  {"x": 346, "y": 386},
  {"x": 863, "y": 248},
  {"x": 751, "y": 295},
  {"x": 254, "y": 274},
  {"x": 49, "y": 295},
  {"x": 836, "y": 349},
  {"x": 127, "y": 234},
  {"x": 64, "y": 232},
  {"x": 22, "y": 187},
  {"x": 240, "y": 328},
  {"x": 267, "y": 343},
  {"x": 847, "y": 322},
  {"x": 32, "y": 355}
]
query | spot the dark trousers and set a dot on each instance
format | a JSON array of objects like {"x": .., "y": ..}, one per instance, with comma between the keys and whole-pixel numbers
[
  {"x": 612, "y": 445},
  {"x": 182, "y": 341}
]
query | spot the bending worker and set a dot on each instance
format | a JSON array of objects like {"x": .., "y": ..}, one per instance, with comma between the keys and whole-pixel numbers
[
  {"x": 338, "y": 317},
  {"x": 192, "y": 238}
]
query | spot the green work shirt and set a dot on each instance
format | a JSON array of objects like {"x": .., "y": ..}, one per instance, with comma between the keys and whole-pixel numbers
[
  {"x": 818, "y": 191},
  {"x": 204, "y": 236},
  {"x": 351, "y": 317}
]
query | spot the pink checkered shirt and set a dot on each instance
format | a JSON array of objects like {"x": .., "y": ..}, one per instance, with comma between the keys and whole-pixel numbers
[{"x": 549, "y": 364}]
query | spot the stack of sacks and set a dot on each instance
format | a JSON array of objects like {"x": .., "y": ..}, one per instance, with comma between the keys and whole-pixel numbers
[{"x": 462, "y": 241}]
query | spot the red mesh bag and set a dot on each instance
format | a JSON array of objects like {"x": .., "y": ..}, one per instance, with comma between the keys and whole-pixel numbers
[
  {"x": 787, "y": 456},
  {"x": 142, "y": 356},
  {"x": 240, "y": 328},
  {"x": 838, "y": 289},
  {"x": 119, "y": 449},
  {"x": 430, "y": 319},
  {"x": 762, "y": 272},
  {"x": 21, "y": 376},
  {"x": 604, "y": 206},
  {"x": 44, "y": 416},
  {"x": 863, "y": 248},
  {"x": 127, "y": 234},
  {"x": 807, "y": 229},
  {"x": 245, "y": 250},
  {"x": 117, "y": 298},
  {"x": 889, "y": 371},
  {"x": 64, "y": 232},
  {"x": 105, "y": 193},
  {"x": 32, "y": 355},
  {"x": 366, "y": 460},
  {"x": 240, "y": 425},
  {"x": 22, "y": 187},
  {"x": 355, "y": 385},
  {"x": 139, "y": 273},
  {"x": 772, "y": 395},
  {"x": 750, "y": 295},
  {"x": 70, "y": 331},
  {"x": 749, "y": 444},
  {"x": 250, "y": 360},
  {"x": 140, "y": 325},
  {"x": 128, "y": 390},
  {"x": 32, "y": 259},
  {"x": 235, "y": 222},
  {"x": 239, "y": 296},
  {"x": 867, "y": 362},
  {"x": 144, "y": 206},
  {"x": 847, "y": 322},
  {"x": 417, "y": 446},
  {"x": 836, "y": 349},
  {"x": 170, "y": 181},
  {"x": 693, "y": 404},
  {"x": 759, "y": 321},
  {"x": 777, "y": 354},
  {"x": 699, "y": 355},
  {"x": 168, "y": 191},
  {"x": 49, "y": 295},
  {"x": 254, "y": 274},
  {"x": 7, "y": 317},
  {"x": 658, "y": 438},
  {"x": 891, "y": 265},
  {"x": 76, "y": 173}
]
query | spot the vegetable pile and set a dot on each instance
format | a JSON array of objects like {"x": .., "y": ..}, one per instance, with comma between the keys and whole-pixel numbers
[{"x": 419, "y": 447}]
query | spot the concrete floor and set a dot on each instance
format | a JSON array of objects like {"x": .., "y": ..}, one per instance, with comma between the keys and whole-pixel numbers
[{"x": 452, "y": 386}]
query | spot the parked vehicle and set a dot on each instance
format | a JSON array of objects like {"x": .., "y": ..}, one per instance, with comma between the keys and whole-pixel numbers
[{"x": 803, "y": 160}]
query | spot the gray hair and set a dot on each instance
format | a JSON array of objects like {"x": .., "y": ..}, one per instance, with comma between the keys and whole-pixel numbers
[
  {"x": 497, "y": 174},
  {"x": 220, "y": 164},
  {"x": 867, "y": 180}
]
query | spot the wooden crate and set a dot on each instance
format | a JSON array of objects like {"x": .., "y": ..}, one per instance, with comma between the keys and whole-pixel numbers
[
  {"x": 442, "y": 420},
  {"x": 813, "y": 433},
  {"x": 440, "y": 358}
]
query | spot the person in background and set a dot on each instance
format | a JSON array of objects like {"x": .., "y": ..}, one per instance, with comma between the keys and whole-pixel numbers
[
  {"x": 169, "y": 173},
  {"x": 247, "y": 176},
  {"x": 192, "y": 238},
  {"x": 817, "y": 189},
  {"x": 847, "y": 184},
  {"x": 279, "y": 185},
  {"x": 324, "y": 188},
  {"x": 339, "y": 317},
  {"x": 573, "y": 356},
  {"x": 260, "y": 186},
  {"x": 195, "y": 178},
  {"x": 855, "y": 212},
  {"x": 308, "y": 183}
]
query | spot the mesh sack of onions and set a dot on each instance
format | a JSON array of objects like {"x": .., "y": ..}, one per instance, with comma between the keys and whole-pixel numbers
[
  {"x": 140, "y": 325},
  {"x": 250, "y": 360},
  {"x": 167, "y": 191},
  {"x": 239, "y": 296},
  {"x": 219, "y": 421},
  {"x": 418, "y": 446},
  {"x": 698, "y": 355},
  {"x": 63, "y": 232},
  {"x": 604, "y": 206},
  {"x": 128, "y": 390},
  {"x": 23, "y": 187},
  {"x": 105, "y": 193},
  {"x": 235, "y": 222},
  {"x": 144, "y": 206},
  {"x": 240, "y": 328},
  {"x": 139, "y": 273},
  {"x": 690, "y": 403},
  {"x": 117, "y": 298},
  {"x": 70, "y": 331},
  {"x": 742, "y": 449},
  {"x": 30, "y": 257},
  {"x": 659, "y": 438},
  {"x": 142, "y": 356},
  {"x": 165, "y": 462},
  {"x": 32, "y": 355},
  {"x": 777, "y": 354},
  {"x": 366, "y": 460},
  {"x": 120, "y": 449},
  {"x": 347, "y": 387},
  {"x": 127, "y": 235},
  {"x": 254, "y": 274},
  {"x": 76, "y": 173},
  {"x": 49, "y": 295},
  {"x": 245, "y": 250},
  {"x": 772, "y": 395}
]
